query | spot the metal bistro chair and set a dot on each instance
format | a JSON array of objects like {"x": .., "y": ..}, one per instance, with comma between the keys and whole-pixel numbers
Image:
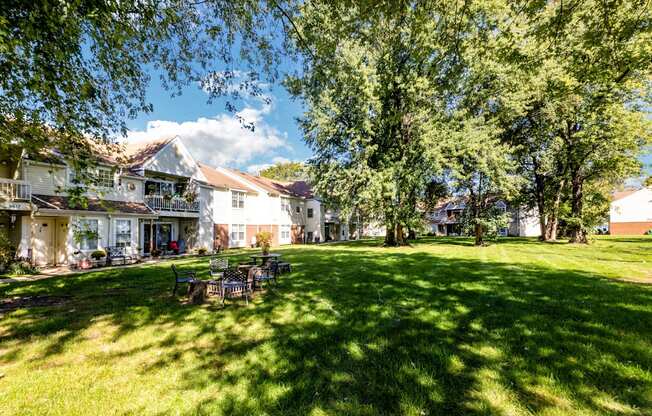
[
  {"x": 266, "y": 273},
  {"x": 283, "y": 266},
  {"x": 235, "y": 283},
  {"x": 216, "y": 267},
  {"x": 182, "y": 277}
]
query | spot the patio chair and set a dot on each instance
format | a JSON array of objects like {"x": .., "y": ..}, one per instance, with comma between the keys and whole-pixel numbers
[
  {"x": 182, "y": 277},
  {"x": 283, "y": 266},
  {"x": 114, "y": 253},
  {"x": 265, "y": 273},
  {"x": 235, "y": 283},
  {"x": 216, "y": 267}
]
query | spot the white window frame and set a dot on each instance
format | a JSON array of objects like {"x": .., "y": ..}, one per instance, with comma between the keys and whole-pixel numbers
[
  {"x": 116, "y": 234},
  {"x": 285, "y": 204},
  {"x": 110, "y": 177},
  {"x": 286, "y": 232},
  {"x": 83, "y": 244},
  {"x": 239, "y": 231},
  {"x": 237, "y": 199}
]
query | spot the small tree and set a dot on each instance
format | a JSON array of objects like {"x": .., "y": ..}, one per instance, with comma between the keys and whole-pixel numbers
[
  {"x": 490, "y": 220},
  {"x": 264, "y": 241}
]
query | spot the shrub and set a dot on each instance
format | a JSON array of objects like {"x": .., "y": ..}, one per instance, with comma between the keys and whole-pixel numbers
[
  {"x": 7, "y": 251},
  {"x": 155, "y": 253},
  {"x": 20, "y": 268},
  {"x": 648, "y": 232},
  {"x": 202, "y": 251},
  {"x": 98, "y": 254},
  {"x": 264, "y": 241}
]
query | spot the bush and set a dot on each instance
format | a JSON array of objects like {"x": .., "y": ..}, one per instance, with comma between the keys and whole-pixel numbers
[
  {"x": 20, "y": 268},
  {"x": 648, "y": 232},
  {"x": 202, "y": 251},
  {"x": 155, "y": 253},
  {"x": 7, "y": 251},
  {"x": 98, "y": 254},
  {"x": 264, "y": 241}
]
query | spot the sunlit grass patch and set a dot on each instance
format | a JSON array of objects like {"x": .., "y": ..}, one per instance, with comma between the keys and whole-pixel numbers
[{"x": 442, "y": 327}]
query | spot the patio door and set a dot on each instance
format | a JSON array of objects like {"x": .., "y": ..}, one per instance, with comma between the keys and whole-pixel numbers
[{"x": 159, "y": 233}]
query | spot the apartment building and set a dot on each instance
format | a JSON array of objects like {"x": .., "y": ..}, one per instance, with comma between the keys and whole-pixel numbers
[{"x": 160, "y": 195}]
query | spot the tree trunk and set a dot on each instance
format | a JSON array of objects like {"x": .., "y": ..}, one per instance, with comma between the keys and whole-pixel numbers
[
  {"x": 197, "y": 292},
  {"x": 390, "y": 235},
  {"x": 400, "y": 237},
  {"x": 479, "y": 235},
  {"x": 412, "y": 235},
  {"x": 553, "y": 215},
  {"x": 577, "y": 231},
  {"x": 541, "y": 205}
]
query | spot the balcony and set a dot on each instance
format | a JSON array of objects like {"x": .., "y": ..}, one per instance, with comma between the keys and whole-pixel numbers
[
  {"x": 175, "y": 204},
  {"x": 15, "y": 195}
]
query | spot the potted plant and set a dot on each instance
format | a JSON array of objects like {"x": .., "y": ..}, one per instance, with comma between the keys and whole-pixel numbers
[
  {"x": 202, "y": 251},
  {"x": 98, "y": 255},
  {"x": 156, "y": 253},
  {"x": 264, "y": 241}
]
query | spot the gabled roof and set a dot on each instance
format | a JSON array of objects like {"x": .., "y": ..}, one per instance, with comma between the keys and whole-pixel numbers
[
  {"x": 138, "y": 153},
  {"x": 299, "y": 189},
  {"x": 220, "y": 180},
  {"x": 623, "y": 194}
]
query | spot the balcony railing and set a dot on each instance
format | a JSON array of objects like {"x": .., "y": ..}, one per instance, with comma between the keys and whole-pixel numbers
[
  {"x": 12, "y": 190},
  {"x": 176, "y": 204}
]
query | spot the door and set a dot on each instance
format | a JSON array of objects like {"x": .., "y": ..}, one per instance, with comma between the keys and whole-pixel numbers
[
  {"x": 43, "y": 241},
  {"x": 61, "y": 237}
]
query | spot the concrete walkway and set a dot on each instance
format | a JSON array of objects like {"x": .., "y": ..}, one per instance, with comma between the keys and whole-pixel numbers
[{"x": 67, "y": 271}]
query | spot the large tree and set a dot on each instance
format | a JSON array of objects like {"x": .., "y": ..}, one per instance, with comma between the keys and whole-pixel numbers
[
  {"x": 588, "y": 65},
  {"x": 374, "y": 85},
  {"x": 72, "y": 70}
]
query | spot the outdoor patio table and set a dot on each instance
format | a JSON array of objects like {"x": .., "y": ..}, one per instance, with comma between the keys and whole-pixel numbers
[{"x": 265, "y": 257}]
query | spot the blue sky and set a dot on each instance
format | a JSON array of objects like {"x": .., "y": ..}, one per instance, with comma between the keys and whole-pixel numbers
[{"x": 215, "y": 136}]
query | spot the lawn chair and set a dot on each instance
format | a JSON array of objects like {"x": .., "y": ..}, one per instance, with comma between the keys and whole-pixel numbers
[
  {"x": 216, "y": 267},
  {"x": 266, "y": 273},
  {"x": 182, "y": 277},
  {"x": 235, "y": 283},
  {"x": 114, "y": 253},
  {"x": 283, "y": 266}
]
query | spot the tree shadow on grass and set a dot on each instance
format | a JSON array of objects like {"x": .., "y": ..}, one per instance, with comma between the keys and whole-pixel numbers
[{"x": 381, "y": 333}]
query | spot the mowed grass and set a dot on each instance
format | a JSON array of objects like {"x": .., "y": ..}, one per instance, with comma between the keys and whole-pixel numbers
[{"x": 440, "y": 327}]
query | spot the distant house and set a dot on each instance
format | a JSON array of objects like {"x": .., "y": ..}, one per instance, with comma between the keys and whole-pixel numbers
[
  {"x": 445, "y": 219},
  {"x": 630, "y": 212}
]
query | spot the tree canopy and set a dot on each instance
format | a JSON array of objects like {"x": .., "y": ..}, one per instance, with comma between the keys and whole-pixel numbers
[{"x": 285, "y": 171}]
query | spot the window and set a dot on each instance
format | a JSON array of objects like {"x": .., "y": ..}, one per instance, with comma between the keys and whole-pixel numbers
[
  {"x": 285, "y": 204},
  {"x": 123, "y": 233},
  {"x": 310, "y": 212},
  {"x": 100, "y": 177},
  {"x": 103, "y": 178},
  {"x": 298, "y": 210},
  {"x": 89, "y": 234},
  {"x": 237, "y": 234},
  {"x": 237, "y": 199},
  {"x": 285, "y": 232},
  {"x": 310, "y": 236}
]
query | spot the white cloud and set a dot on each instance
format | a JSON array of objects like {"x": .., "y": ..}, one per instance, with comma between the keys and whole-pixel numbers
[{"x": 221, "y": 140}]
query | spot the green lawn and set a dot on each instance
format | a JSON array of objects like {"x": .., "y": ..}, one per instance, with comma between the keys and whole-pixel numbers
[{"x": 441, "y": 327}]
